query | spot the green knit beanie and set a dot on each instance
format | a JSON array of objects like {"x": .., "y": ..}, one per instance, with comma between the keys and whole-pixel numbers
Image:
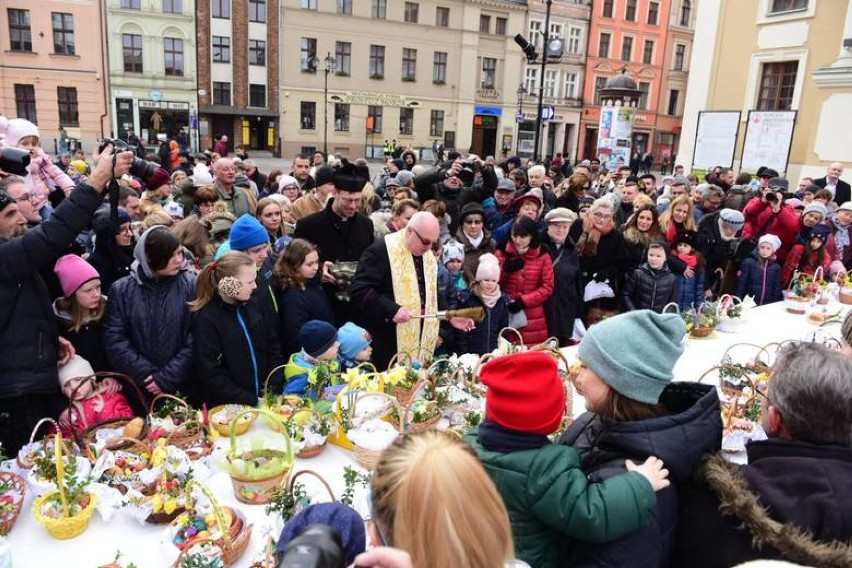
[{"x": 634, "y": 353}]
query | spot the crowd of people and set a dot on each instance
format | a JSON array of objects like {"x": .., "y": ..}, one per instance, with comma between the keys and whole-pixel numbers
[{"x": 201, "y": 275}]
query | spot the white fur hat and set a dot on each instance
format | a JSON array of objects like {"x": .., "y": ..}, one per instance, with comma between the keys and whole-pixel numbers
[
  {"x": 774, "y": 241},
  {"x": 75, "y": 368},
  {"x": 19, "y": 128},
  {"x": 489, "y": 268}
]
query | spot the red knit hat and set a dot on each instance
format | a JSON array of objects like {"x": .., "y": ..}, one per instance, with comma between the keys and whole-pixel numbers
[{"x": 525, "y": 392}]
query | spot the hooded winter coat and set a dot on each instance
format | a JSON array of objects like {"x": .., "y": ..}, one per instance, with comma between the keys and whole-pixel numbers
[
  {"x": 649, "y": 289},
  {"x": 791, "y": 502},
  {"x": 147, "y": 329},
  {"x": 533, "y": 284},
  {"x": 472, "y": 253},
  {"x": 760, "y": 220},
  {"x": 482, "y": 338},
  {"x": 563, "y": 306},
  {"x": 692, "y": 428},
  {"x": 761, "y": 281}
]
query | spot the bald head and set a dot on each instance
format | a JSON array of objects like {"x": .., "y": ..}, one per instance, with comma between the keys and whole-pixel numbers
[
  {"x": 835, "y": 170},
  {"x": 422, "y": 230}
]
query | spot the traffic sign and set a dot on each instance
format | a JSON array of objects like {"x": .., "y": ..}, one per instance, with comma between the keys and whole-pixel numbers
[
  {"x": 547, "y": 112},
  {"x": 519, "y": 117}
]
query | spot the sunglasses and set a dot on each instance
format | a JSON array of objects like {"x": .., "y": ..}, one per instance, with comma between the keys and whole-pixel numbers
[
  {"x": 424, "y": 242},
  {"x": 473, "y": 221}
]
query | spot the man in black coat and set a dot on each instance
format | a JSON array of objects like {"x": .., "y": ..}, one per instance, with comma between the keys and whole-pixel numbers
[
  {"x": 455, "y": 186},
  {"x": 340, "y": 232},
  {"x": 29, "y": 386},
  {"x": 791, "y": 502},
  {"x": 840, "y": 189}
]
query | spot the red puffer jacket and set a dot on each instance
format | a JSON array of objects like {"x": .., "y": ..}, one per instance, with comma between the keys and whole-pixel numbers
[
  {"x": 785, "y": 225},
  {"x": 533, "y": 284}
]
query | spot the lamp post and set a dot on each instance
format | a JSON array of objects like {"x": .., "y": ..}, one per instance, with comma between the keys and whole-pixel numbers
[
  {"x": 329, "y": 67},
  {"x": 538, "y": 121},
  {"x": 522, "y": 92}
]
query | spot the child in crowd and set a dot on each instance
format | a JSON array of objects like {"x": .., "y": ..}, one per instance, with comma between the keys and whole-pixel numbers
[
  {"x": 652, "y": 286},
  {"x": 43, "y": 176},
  {"x": 453, "y": 260},
  {"x": 234, "y": 349},
  {"x": 355, "y": 345},
  {"x": 80, "y": 312},
  {"x": 319, "y": 350},
  {"x": 485, "y": 292},
  {"x": 301, "y": 294},
  {"x": 760, "y": 275},
  {"x": 91, "y": 403},
  {"x": 548, "y": 497},
  {"x": 691, "y": 289},
  {"x": 806, "y": 258}
]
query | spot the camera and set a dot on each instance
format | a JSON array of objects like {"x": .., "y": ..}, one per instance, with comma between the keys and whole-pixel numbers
[
  {"x": 318, "y": 546},
  {"x": 468, "y": 172},
  {"x": 140, "y": 168},
  {"x": 14, "y": 161},
  {"x": 771, "y": 197}
]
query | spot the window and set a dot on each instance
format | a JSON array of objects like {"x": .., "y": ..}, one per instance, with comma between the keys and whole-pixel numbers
[
  {"x": 439, "y": 68},
  {"x": 685, "y": 13},
  {"x": 173, "y": 49},
  {"x": 341, "y": 117},
  {"x": 380, "y": 9},
  {"x": 63, "y": 33},
  {"x": 653, "y": 13},
  {"x": 606, "y": 12},
  {"x": 500, "y": 26},
  {"x": 406, "y": 121},
  {"x": 221, "y": 93},
  {"x": 777, "y": 83},
  {"x": 412, "y": 10},
  {"x": 308, "y": 115},
  {"x": 344, "y": 7},
  {"x": 531, "y": 81},
  {"x": 680, "y": 55},
  {"x": 648, "y": 52},
  {"x": 221, "y": 9},
  {"x": 131, "y": 4},
  {"x": 787, "y": 6},
  {"x": 535, "y": 33},
  {"x": 308, "y": 55},
  {"x": 257, "y": 95},
  {"x": 66, "y": 97},
  {"x": 674, "y": 95},
  {"x": 550, "y": 80},
  {"x": 630, "y": 11},
  {"x": 643, "y": 94},
  {"x": 603, "y": 45},
  {"x": 221, "y": 49},
  {"x": 555, "y": 31},
  {"x": 20, "y": 34},
  {"x": 309, "y": 5},
  {"x": 377, "y": 62},
  {"x": 257, "y": 52},
  {"x": 132, "y": 46},
  {"x": 25, "y": 102},
  {"x": 409, "y": 64},
  {"x": 343, "y": 58},
  {"x": 436, "y": 123},
  {"x": 626, "y": 48},
  {"x": 600, "y": 82},
  {"x": 257, "y": 11},
  {"x": 574, "y": 37},
  {"x": 442, "y": 17},
  {"x": 376, "y": 113},
  {"x": 570, "y": 85},
  {"x": 172, "y": 6},
  {"x": 484, "y": 24},
  {"x": 489, "y": 73}
]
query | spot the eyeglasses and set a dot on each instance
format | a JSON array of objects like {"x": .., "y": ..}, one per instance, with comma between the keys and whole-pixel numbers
[
  {"x": 24, "y": 197},
  {"x": 603, "y": 216},
  {"x": 762, "y": 390},
  {"x": 424, "y": 242},
  {"x": 473, "y": 221}
]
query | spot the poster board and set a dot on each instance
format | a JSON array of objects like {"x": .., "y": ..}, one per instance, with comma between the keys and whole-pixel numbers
[
  {"x": 614, "y": 135},
  {"x": 768, "y": 137},
  {"x": 715, "y": 139}
]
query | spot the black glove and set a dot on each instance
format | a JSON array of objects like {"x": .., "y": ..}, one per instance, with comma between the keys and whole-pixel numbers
[
  {"x": 513, "y": 265},
  {"x": 516, "y": 305}
]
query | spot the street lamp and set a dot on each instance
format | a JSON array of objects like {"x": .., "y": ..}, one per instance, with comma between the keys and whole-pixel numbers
[
  {"x": 522, "y": 91},
  {"x": 329, "y": 67}
]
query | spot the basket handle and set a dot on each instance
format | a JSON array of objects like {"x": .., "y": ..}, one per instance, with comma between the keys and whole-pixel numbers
[
  {"x": 362, "y": 395},
  {"x": 44, "y": 420},
  {"x": 167, "y": 396},
  {"x": 733, "y": 368},
  {"x": 185, "y": 550},
  {"x": 398, "y": 358},
  {"x": 138, "y": 445},
  {"x": 819, "y": 270},
  {"x": 232, "y": 453},
  {"x": 516, "y": 332},
  {"x": 271, "y": 373},
  {"x": 325, "y": 484},
  {"x": 60, "y": 474},
  {"x": 670, "y": 304},
  {"x": 217, "y": 509}
]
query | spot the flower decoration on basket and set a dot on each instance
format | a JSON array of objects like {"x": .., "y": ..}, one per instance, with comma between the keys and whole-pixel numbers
[
  {"x": 310, "y": 426},
  {"x": 12, "y": 492},
  {"x": 803, "y": 290}
]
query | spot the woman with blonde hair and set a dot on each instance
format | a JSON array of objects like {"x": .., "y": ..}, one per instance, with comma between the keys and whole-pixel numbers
[
  {"x": 432, "y": 498},
  {"x": 268, "y": 212},
  {"x": 677, "y": 217}
]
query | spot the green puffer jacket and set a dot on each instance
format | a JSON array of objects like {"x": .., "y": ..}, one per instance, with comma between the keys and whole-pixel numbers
[{"x": 550, "y": 501}]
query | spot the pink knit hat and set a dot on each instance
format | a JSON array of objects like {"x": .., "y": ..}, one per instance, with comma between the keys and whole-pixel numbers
[
  {"x": 73, "y": 272},
  {"x": 19, "y": 128}
]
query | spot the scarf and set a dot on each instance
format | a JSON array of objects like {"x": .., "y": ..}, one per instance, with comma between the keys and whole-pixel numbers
[
  {"x": 489, "y": 300},
  {"x": 416, "y": 337},
  {"x": 691, "y": 260},
  {"x": 591, "y": 237},
  {"x": 841, "y": 235},
  {"x": 477, "y": 241},
  {"x": 457, "y": 280}
]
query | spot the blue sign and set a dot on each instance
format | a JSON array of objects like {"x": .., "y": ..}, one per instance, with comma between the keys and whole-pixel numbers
[
  {"x": 490, "y": 111},
  {"x": 547, "y": 112},
  {"x": 519, "y": 117}
]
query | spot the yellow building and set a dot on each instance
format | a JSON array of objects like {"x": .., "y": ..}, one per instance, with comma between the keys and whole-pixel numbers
[{"x": 775, "y": 55}]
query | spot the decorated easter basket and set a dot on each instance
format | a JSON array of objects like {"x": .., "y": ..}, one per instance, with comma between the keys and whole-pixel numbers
[
  {"x": 13, "y": 491},
  {"x": 725, "y": 306},
  {"x": 367, "y": 457},
  {"x": 26, "y": 455},
  {"x": 92, "y": 434},
  {"x": 181, "y": 428}
]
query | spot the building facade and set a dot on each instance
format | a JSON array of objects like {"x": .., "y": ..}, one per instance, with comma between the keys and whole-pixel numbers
[
  {"x": 52, "y": 70},
  {"x": 789, "y": 55},
  {"x": 563, "y": 79},
  {"x": 359, "y": 73}
]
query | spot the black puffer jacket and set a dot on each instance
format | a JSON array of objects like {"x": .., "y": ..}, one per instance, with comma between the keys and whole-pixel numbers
[
  {"x": 88, "y": 341},
  {"x": 680, "y": 439},
  {"x": 649, "y": 289},
  {"x": 28, "y": 332},
  {"x": 147, "y": 329},
  {"x": 563, "y": 307}
]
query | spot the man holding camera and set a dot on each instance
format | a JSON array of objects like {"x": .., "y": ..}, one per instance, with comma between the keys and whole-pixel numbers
[
  {"x": 768, "y": 214},
  {"x": 31, "y": 345},
  {"x": 454, "y": 185}
]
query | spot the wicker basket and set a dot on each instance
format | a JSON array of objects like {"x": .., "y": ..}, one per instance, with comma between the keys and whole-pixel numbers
[
  {"x": 508, "y": 346},
  {"x": 188, "y": 433},
  {"x": 25, "y": 459},
  {"x": 326, "y": 486},
  {"x": 89, "y": 435},
  {"x": 366, "y": 457},
  {"x": 311, "y": 451},
  {"x": 726, "y": 324},
  {"x": 15, "y": 483},
  {"x": 224, "y": 428}
]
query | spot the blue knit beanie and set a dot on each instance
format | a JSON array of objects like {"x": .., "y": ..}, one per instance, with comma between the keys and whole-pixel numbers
[
  {"x": 317, "y": 336},
  {"x": 635, "y": 353},
  {"x": 345, "y": 520},
  {"x": 247, "y": 232},
  {"x": 352, "y": 339}
]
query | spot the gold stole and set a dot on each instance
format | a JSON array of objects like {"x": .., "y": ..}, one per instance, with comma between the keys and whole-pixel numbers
[{"x": 416, "y": 337}]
